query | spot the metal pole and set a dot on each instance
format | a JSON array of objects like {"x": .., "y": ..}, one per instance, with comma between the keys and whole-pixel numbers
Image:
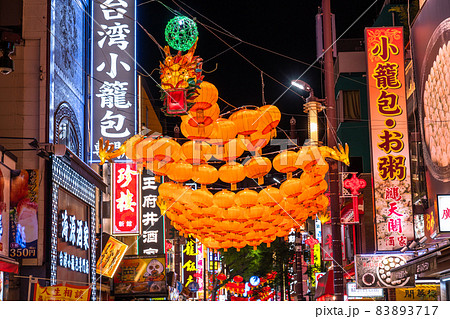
[{"x": 331, "y": 140}]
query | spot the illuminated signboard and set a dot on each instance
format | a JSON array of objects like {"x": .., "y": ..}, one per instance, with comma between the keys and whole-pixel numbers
[
  {"x": 190, "y": 253},
  {"x": 199, "y": 274},
  {"x": 389, "y": 135},
  {"x": 111, "y": 257},
  {"x": 374, "y": 271},
  {"x": 152, "y": 240},
  {"x": 443, "y": 204},
  {"x": 125, "y": 199},
  {"x": 114, "y": 115},
  {"x": 5, "y": 186},
  {"x": 352, "y": 291}
]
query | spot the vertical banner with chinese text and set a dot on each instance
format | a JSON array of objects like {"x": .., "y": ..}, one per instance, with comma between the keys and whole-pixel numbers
[
  {"x": 389, "y": 137},
  {"x": 152, "y": 240},
  {"x": 125, "y": 199},
  {"x": 114, "y": 115},
  {"x": 189, "y": 260}
]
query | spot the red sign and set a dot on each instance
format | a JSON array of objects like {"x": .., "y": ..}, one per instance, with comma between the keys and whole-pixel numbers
[
  {"x": 125, "y": 199},
  {"x": 389, "y": 132}
]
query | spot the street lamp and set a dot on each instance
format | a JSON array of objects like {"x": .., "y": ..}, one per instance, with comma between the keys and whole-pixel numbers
[{"x": 312, "y": 106}]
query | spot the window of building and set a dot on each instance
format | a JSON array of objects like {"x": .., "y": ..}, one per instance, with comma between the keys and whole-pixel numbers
[{"x": 351, "y": 105}]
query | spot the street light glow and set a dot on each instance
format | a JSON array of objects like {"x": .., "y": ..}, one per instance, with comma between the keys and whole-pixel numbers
[{"x": 299, "y": 85}]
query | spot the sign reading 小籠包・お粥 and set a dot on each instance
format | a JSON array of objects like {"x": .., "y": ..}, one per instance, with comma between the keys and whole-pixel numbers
[
  {"x": 114, "y": 73},
  {"x": 389, "y": 137}
]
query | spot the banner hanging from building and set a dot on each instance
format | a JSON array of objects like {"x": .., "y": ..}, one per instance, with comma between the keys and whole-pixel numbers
[
  {"x": 152, "y": 241},
  {"x": 23, "y": 215},
  {"x": 61, "y": 293},
  {"x": 114, "y": 115},
  {"x": 125, "y": 199},
  {"x": 111, "y": 257},
  {"x": 389, "y": 135}
]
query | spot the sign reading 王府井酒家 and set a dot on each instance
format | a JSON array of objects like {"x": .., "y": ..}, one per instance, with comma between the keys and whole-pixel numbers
[
  {"x": 113, "y": 73},
  {"x": 152, "y": 241},
  {"x": 125, "y": 199},
  {"x": 389, "y": 137}
]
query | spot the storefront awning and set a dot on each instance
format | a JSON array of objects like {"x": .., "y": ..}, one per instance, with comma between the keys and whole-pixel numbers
[
  {"x": 423, "y": 264},
  {"x": 9, "y": 265},
  {"x": 325, "y": 285}
]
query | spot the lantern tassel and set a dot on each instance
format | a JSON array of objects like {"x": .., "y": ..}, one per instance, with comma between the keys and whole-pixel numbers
[
  {"x": 233, "y": 186},
  {"x": 261, "y": 180},
  {"x": 289, "y": 175}
]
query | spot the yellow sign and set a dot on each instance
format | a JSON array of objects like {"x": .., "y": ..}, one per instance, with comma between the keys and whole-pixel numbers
[
  {"x": 62, "y": 293},
  {"x": 111, "y": 257},
  {"x": 418, "y": 293}
]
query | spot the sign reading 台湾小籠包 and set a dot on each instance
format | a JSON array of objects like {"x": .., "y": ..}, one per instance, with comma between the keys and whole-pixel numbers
[
  {"x": 152, "y": 240},
  {"x": 389, "y": 135},
  {"x": 125, "y": 199},
  {"x": 113, "y": 73}
]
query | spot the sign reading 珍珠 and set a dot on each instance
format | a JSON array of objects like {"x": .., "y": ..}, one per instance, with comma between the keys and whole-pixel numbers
[
  {"x": 152, "y": 241},
  {"x": 125, "y": 199},
  {"x": 389, "y": 135},
  {"x": 113, "y": 73}
]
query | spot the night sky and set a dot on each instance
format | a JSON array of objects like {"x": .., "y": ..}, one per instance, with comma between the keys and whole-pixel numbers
[{"x": 278, "y": 38}]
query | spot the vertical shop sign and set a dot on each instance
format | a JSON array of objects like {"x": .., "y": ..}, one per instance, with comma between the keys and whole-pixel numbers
[
  {"x": 125, "y": 199},
  {"x": 4, "y": 210},
  {"x": 389, "y": 135},
  {"x": 199, "y": 275},
  {"x": 114, "y": 73},
  {"x": 327, "y": 243},
  {"x": 189, "y": 260},
  {"x": 23, "y": 215},
  {"x": 152, "y": 241}
]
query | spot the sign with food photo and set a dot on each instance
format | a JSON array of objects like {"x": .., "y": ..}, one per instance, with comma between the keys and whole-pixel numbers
[
  {"x": 111, "y": 257},
  {"x": 374, "y": 271},
  {"x": 23, "y": 214},
  {"x": 138, "y": 275},
  {"x": 389, "y": 138}
]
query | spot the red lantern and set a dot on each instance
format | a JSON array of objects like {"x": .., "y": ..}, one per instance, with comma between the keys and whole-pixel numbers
[
  {"x": 238, "y": 278},
  {"x": 221, "y": 277}
]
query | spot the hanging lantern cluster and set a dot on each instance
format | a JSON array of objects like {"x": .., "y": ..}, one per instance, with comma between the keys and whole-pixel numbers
[{"x": 228, "y": 218}]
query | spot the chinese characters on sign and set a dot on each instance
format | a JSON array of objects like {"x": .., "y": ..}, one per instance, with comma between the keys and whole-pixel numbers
[
  {"x": 125, "y": 199},
  {"x": 390, "y": 150},
  {"x": 443, "y": 204},
  {"x": 61, "y": 293},
  {"x": 114, "y": 83},
  {"x": 190, "y": 260},
  {"x": 152, "y": 240},
  {"x": 111, "y": 257},
  {"x": 75, "y": 233}
]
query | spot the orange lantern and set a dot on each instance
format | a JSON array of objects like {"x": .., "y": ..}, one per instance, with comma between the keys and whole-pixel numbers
[
  {"x": 232, "y": 173},
  {"x": 205, "y": 174},
  {"x": 255, "y": 212},
  {"x": 158, "y": 168},
  {"x": 227, "y": 152},
  {"x": 196, "y": 152},
  {"x": 223, "y": 131},
  {"x": 246, "y": 198},
  {"x": 271, "y": 116},
  {"x": 285, "y": 163},
  {"x": 202, "y": 198},
  {"x": 131, "y": 150},
  {"x": 258, "y": 167},
  {"x": 202, "y": 117},
  {"x": 270, "y": 196},
  {"x": 224, "y": 199},
  {"x": 179, "y": 171},
  {"x": 162, "y": 149},
  {"x": 255, "y": 141},
  {"x": 200, "y": 132},
  {"x": 246, "y": 121},
  {"x": 207, "y": 96},
  {"x": 292, "y": 187}
]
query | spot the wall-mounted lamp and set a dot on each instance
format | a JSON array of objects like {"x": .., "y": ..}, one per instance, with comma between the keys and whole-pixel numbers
[{"x": 414, "y": 243}]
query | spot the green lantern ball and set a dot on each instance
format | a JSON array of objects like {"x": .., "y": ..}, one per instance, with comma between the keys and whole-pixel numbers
[{"x": 181, "y": 33}]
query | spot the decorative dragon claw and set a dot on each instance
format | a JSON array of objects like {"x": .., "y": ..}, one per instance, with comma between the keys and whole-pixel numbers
[
  {"x": 106, "y": 151},
  {"x": 340, "y": 153}
]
